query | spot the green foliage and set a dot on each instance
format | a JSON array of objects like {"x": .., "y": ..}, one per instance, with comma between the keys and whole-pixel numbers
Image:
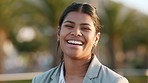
[
  {"x": 125, "y": 28},
  {"x": 137, "y": 79},
  {"x": 16, "y": 14}
]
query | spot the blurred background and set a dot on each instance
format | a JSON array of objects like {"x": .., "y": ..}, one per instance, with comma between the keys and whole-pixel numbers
[{"x": 28, "y": 37}]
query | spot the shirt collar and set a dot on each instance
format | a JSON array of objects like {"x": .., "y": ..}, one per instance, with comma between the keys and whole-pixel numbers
[{"x": 61, "y": 78}]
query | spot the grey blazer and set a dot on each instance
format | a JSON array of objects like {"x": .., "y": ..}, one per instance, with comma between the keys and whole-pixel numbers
[{"x": 96, "y": 73}]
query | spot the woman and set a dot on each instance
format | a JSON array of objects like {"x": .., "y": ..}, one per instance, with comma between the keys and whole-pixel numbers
[{"x": 78, "y": 35}]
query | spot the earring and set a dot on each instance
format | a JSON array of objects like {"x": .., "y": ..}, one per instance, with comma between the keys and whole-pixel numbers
[
  {"x": 58, "y": 39},
  {"x": 94, "y": 45}
]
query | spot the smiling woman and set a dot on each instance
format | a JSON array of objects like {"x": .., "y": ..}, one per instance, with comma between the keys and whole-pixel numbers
[{"x": 78, "y": 35}]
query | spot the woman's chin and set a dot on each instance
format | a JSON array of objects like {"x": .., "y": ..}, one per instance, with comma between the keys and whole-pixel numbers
[{"x": 74, "y": 55}]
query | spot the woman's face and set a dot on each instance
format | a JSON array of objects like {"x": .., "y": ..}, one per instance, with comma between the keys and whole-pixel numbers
[{"x": 77, "y": 35}]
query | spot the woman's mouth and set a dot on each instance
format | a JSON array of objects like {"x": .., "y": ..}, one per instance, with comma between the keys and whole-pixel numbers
[{"x": 75, "y": 42}]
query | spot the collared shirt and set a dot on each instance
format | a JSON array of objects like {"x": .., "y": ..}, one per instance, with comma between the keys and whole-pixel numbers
[{"x": 61, "y": 78}]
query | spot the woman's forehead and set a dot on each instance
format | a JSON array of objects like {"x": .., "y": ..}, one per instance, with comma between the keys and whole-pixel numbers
[{"x": 78, "y": 17}]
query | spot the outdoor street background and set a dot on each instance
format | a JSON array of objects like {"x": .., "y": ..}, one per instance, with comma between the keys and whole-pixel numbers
[{"x": 28, "y": 31}]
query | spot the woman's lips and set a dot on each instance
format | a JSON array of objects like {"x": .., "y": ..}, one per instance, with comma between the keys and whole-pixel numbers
[{"x": 75, "y": 42}]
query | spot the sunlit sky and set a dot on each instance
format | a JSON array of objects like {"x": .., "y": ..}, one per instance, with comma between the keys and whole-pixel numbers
[{"x": 139, "y": 5}]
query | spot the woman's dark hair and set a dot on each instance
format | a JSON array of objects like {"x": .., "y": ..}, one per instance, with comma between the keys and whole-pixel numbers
[{"x": 84, "y": 8}]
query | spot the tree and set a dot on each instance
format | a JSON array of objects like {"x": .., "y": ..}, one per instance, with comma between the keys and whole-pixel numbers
[
  {"x": 43, "y": 17},
  {"x": 52, "y": 9},
  {"x": 4, "y": 27},
  {"x": 119, "y": 21}
]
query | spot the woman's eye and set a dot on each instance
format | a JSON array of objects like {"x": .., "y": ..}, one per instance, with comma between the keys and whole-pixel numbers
[
  {"x": 69, "y": 26},
  {"x": 85, "y": 28}
]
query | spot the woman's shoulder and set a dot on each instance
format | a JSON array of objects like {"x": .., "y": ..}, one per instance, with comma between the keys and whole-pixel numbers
[
  {"x": 102, "y": 74},
  {"x": 44, "y": 76},
  {"x": 112, "y": 75}
]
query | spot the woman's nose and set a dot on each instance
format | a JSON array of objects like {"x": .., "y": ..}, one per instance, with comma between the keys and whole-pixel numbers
[{"x": 76, "y": 32}]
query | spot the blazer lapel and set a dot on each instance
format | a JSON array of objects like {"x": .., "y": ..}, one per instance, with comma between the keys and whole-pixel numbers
[
  {"x": 93, "y": 70},
  {"x": 55, "y": 80},
  {"x": 55, "y": 76},
  {"x": 87, "y": 80}
]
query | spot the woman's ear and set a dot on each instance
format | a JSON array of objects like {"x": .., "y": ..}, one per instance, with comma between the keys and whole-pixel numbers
[
  {"x": 58, "y": 31},
  {"x": 97, "y": 38},
  {"x": 58, "y": 34}
]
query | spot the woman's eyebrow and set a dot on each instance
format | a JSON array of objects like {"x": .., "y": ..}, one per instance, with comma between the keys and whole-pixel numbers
[
  {"x": 69, "y": 21},
  {"x": 85, "y": 24}
]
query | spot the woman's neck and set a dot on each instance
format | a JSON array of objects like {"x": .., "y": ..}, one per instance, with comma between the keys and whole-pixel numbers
[{"x": 76, "y": 67}]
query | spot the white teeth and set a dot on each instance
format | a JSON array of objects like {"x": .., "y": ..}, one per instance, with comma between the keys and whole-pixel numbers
[{"x": 74, "y": 42}]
